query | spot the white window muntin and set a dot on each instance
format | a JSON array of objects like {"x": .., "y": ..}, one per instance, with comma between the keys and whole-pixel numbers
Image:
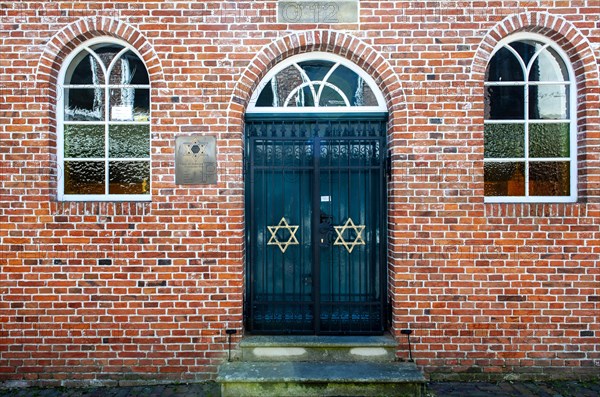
[
  {"x": 82, "y": 51},
  {"x": 571, "y": 119}
]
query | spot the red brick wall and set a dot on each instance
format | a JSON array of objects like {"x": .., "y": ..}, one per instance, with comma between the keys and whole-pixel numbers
[{"x": 489, "y": 289}]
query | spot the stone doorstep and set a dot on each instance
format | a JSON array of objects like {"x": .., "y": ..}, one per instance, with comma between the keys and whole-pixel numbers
[
  {"x": 318, "y": 348},
  {"x": 318, "y": 379},
  {"x": 319, "y": 372},
  {"x": 323, "y": 390}
]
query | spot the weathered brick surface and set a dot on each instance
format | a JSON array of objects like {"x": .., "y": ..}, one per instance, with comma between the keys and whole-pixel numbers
[{"x": 98, "y": 292}]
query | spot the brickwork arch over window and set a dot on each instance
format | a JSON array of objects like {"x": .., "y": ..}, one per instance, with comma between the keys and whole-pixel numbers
[
  {"x": 104, "y": 123},
  {"x": 530, "y": 142}
]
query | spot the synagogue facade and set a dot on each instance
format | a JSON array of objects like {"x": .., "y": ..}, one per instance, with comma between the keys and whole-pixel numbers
[{"x": 176, "y": 175}]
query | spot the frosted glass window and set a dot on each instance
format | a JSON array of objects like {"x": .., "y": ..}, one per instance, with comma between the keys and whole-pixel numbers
[
  {"x": 105, "y": 129},
  {"x": 529, "y": 140}
]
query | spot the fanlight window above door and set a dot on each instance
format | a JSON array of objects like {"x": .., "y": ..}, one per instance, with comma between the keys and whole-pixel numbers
[{"x": 317, "y": 81}]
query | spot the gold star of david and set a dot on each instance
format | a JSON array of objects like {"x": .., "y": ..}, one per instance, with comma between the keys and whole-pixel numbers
[
  {"x": 358, "y": 229},
  {"x": 283, "y": 246}
]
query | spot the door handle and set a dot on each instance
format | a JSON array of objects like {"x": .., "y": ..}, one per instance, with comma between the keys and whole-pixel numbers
[{"x": 325, "y": 230}]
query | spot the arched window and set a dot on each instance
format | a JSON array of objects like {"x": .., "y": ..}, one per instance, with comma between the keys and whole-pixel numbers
[
  {"x": 104, "y": 124},
  {"x": 530, "y": 138},
  {"x": 319, "y": 82}
]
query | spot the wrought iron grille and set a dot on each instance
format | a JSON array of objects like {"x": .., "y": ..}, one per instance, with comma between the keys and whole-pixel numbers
[{"x": 316, "y": 208}]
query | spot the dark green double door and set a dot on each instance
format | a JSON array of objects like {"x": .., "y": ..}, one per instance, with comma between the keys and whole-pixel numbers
[{"x": 316, "y": 242}]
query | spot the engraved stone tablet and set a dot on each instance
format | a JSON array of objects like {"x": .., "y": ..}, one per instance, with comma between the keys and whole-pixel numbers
[
  {"x": 304, "y": 11},
  {"x": 195, "y": 160}
]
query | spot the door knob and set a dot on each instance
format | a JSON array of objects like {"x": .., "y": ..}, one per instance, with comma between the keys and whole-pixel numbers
[{"x": 307, "y": 279}]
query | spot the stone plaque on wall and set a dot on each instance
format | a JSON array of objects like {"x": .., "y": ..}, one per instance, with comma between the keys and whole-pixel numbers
[
  {"x": 304, "y": 11},
  {"x": 195, "y": 160}
]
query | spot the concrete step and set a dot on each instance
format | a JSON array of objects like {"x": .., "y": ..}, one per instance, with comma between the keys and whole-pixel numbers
[
  {"x": 284, "y": 379},
  {"x": 318, "y": 348}
]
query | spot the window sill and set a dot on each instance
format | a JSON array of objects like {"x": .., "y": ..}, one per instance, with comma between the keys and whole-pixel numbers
[
  {"x": 530, "y": 200},
  {"x": 70, "y": 198}
]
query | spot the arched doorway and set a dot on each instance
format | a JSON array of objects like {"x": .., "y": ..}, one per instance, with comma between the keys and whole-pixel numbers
[{"x": 316, "y": 200}]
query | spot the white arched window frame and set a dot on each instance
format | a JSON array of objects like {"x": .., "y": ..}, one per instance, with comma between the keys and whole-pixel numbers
[
  {"x": 316, "y": 89},
  {"x": 571, "y": 119},
  {"x": 112, "y": 117}
]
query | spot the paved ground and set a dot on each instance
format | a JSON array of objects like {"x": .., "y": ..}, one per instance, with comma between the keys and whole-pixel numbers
[
  {"x": 437, "y": 389},
  {"x": 515, "y": 389},
  {"x": 191, "y": 390}
]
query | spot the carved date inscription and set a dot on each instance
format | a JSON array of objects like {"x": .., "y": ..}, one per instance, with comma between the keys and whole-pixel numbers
[{"x": 300, "y": 11}]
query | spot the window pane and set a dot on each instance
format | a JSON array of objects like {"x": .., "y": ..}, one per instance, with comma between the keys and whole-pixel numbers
[
  {"x": 284, "y": 83},
  {"x": 85, "y": 69},
  {"x": 348, "y": 82},
  {"x": 137, "y": 70},
  {"x": 127, "y": 141},
  {"x": 549, "y": 140},
  {"x": 549, "y": 179},
  {"x": 129, "y": 177},
  {"x": 504, "y": 102},
  {"x": 364, "y": 95},
  {"x": 504, "y": 179},
  {"x": 107, "y": 52},
  {"x": 130, "y": 104},
  {"x": 504, "y": 140},
  {"x": 504, "y": 66},
  {"x": 549, "y": 102},
  {"x": 84, "y": 177},
  {"x": 303, "y": 97},
  {"x": 548, "y": 66},
  {"x": 84, "y": 141},
  {"x": 127, "y": 70},
  {"x": 329, "y": 97},
  {"x": 266, "y": 96},
  {"x": 84, "y": 104},
  {"x": 526, "y": 49},
  {"x": 316, "y": 70}
]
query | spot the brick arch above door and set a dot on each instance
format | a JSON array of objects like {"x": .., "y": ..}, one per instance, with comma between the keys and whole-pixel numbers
[
  {"x": 345, "y": 45},
  {"x": 388, "y": 82}
]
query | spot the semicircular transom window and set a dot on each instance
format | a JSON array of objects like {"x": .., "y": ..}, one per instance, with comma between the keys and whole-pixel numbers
[
  {"x": 530, "y": 143},
  {"x": 104, "y": 136},
  {"x": 317, "y": 81}
]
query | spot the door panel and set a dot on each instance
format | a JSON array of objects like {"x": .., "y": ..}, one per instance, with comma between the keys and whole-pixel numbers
[
  {"x": 315, "y": 229},
  {"x": 350, "y": 284},
  {"x": 281, "y": 282}
]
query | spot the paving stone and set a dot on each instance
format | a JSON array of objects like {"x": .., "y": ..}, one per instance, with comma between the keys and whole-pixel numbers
[
  {"x": 434, "y": 389},
  {"x": 576, "y": 389},
  {"x": 190, "y": 390},
  {"x": 514, "y": 389},
  {"x": 526, "y": 389}
]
